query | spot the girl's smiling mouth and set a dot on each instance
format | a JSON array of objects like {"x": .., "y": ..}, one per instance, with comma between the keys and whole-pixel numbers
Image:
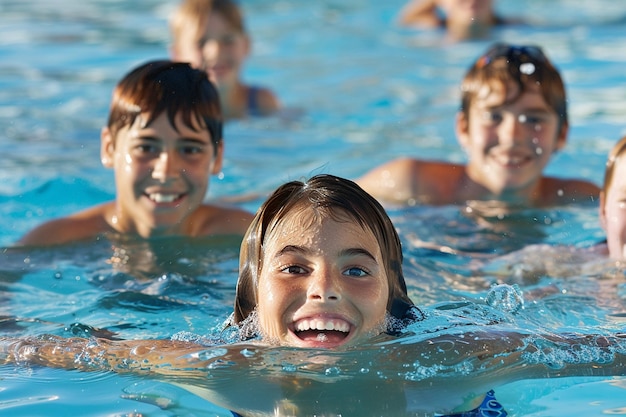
[{"x": 322, "y": 332}]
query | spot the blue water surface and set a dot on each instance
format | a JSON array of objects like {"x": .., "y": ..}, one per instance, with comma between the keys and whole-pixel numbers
[{"x": 362, "y": 91}]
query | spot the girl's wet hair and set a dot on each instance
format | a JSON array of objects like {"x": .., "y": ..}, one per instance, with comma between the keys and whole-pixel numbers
[
  {"x": 332, "y": 197},
  {"x": 615, "y": 154},
  {"x": 523, "y": 65},
  {"x": 165, "y": 86}
]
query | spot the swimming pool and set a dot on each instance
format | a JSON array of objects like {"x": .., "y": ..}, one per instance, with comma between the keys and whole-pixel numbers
[{"x": 369, "y": 92}]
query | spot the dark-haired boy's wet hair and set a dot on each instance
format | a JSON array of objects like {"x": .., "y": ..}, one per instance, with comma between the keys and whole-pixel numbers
[{"x": 171, "y": 87}]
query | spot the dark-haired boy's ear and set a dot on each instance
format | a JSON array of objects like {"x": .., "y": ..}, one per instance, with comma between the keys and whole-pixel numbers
[
  {"x": 462, "y": 130},
  {"x": 107, "y": 147},
  {"x": 561, "y": 138},
  {"x": 218, "y": 160}
]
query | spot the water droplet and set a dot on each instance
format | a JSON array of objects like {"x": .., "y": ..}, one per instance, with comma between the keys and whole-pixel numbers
[
  {"x": 332, "y": 371},
  {"x": 527, "y": 68}
]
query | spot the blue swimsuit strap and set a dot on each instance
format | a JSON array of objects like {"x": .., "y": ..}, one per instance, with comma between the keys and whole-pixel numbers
[
  {"x": 253, "y": 100},
  {"x": 490, "y": 407}
]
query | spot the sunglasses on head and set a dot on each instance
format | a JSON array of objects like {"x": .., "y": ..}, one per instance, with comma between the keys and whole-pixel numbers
[{"x": 511, "y": 53}]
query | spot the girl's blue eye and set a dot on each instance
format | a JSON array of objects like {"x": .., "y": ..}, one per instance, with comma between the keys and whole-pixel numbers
[{"x": 355, "y": 272}]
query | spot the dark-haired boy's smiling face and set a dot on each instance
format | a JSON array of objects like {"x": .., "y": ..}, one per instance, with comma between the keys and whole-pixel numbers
[{"x": 161, "y": 174}]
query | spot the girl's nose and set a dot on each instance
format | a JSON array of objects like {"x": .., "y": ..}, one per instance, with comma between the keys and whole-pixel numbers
[{"x": 324, "y": 286}]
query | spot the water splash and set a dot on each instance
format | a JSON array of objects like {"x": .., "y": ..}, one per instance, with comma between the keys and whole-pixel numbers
[{"x": 507, "y": 298}]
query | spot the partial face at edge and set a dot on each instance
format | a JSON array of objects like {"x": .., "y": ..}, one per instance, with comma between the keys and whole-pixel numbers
[
  {"x": 613, "y": 211},
  {"x": 323, "y": 283}
]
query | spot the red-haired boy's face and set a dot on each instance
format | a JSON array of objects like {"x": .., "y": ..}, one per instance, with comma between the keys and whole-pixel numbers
[{"x": 509, "y": 138}]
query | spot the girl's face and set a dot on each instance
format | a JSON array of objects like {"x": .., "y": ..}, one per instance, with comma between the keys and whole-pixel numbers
[
  {"x": 613, "y": 211},
  {"x": 322, "y": 284}
]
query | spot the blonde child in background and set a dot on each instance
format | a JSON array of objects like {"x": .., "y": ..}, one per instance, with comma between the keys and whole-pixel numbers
[
  {"x": 163, "y": 140},
  {"x": 513, "y": 118},
  {"x": 211, "y": 35}
]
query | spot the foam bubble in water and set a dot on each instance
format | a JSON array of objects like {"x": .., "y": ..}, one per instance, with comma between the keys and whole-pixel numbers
[
  {"x": 507, "y": 298},
  {"x": 249, "y": 328}
]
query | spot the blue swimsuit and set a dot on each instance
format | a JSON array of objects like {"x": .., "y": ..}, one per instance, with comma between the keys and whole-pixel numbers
[{"x": 490, "y": 407}]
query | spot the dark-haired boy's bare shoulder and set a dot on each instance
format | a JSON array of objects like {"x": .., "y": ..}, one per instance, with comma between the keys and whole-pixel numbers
[{"x": 83, "y": 225}]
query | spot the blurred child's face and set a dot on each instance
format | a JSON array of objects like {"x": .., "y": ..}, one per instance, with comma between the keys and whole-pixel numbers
[
  {"x": 323, "y": 283},
  {"x": 467, "y": 11},
  {"x": 613, "y": 211},
  {"x": 161, "y": 175},
  {"x": 509, "y": 143},
  {"x": 223, "y": 50}
]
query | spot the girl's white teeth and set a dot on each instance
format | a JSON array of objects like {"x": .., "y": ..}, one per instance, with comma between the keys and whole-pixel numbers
[
  {"x": 163, "y": 198},
  {"x": 319, "y": 324}
]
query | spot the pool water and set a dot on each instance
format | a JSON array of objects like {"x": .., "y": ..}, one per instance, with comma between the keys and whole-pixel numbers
[{"x": 360, "y": 91}]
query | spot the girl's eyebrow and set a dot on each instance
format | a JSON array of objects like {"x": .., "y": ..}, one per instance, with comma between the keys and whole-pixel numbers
[
  {"x": 293, "y": 249},
  {"x": 344, "y": 252},
  {"x": 357, "y": 252}
]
